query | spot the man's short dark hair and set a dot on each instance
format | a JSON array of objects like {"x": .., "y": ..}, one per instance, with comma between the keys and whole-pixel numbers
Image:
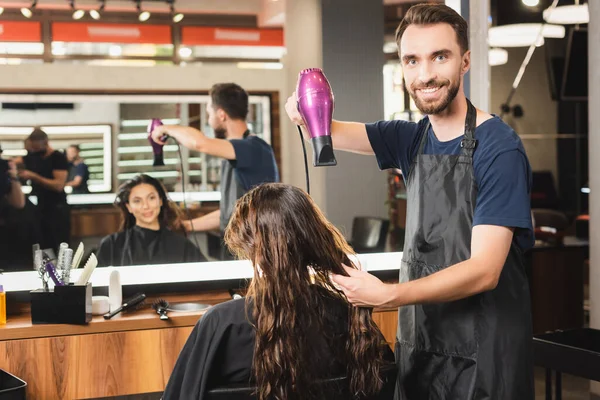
[
  {"x": 425, "y": 14},
  {"x": 38, "y": 135},
  {"x": 76, "y": 147},
  {"x": 231, "y": 98}
]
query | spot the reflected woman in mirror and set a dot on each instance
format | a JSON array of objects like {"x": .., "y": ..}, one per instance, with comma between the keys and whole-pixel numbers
[
  {"x": 294, "y": 327},
  {"x": 149, "y": 228}
]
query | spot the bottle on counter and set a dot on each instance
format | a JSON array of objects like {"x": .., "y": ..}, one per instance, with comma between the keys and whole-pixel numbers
[{"x": 2, "y": 302}]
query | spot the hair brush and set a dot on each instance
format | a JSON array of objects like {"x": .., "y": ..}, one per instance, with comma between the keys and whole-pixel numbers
[
  {"x": 129, "y": 304},
  {"x": 161, "y": 307}
]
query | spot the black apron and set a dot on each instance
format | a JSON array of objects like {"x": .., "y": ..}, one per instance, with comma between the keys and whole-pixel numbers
[{"x": 475, "y": 348}]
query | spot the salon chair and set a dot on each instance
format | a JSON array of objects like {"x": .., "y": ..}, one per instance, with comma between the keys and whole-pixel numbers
[
  {"x": 369, "y": 234},
  {"x": 245, "y": 392}
]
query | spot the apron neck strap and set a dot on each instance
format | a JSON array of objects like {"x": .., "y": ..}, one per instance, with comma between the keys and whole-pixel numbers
[{"x": 468, "y": 143}]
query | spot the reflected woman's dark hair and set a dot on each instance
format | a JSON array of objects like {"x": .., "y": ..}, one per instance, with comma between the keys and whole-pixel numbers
[
  {"x": 169, "y": 216},
  {"x": 292, "y": 246}
]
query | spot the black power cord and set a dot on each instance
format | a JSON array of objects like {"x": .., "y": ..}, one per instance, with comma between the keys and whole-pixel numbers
[
  {"x": 187, "y": 211},
  {"x": 305, "y": 159}
]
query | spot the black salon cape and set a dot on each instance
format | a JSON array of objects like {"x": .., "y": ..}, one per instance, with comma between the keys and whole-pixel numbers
[
  {"x": 220, "y": 349},
  {"x": 140, "y": 246}
]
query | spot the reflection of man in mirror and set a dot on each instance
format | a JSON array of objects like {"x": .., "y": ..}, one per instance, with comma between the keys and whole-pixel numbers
[
  {"x": 17, "y": 231},
  {"x": 47, "y": 168},
  {"x": 247, "y": 159},
  {"x": 78, "y": 171}
]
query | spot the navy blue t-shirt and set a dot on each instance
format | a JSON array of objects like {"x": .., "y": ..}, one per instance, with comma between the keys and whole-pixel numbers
[
  {"x": 502, "y": 170},
  {"x": 254, "y": 162}
]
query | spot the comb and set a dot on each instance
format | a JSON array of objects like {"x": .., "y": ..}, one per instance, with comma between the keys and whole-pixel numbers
[
  {"x": 77, "y": 256},
  {"x": 89, "y": 267}
]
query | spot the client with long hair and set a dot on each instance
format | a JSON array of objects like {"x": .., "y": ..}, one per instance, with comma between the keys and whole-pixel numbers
[
  {"x": 149, "y": 226},
  {"x": 294, "y": 327}
]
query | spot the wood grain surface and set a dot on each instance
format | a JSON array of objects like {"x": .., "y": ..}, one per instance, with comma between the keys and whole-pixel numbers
[{"x": 131, "y": 354}]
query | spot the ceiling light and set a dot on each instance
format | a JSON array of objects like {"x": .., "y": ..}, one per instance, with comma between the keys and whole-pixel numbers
[
  {"x": 143, "y": 15},
  {"x": 523, "y": 35},
  {"x": 96, "y": 13},
  {"x": 28, "y": 11},
  {"x": 115, "y": 51},
  {"x": 185, "y": 52},
  {"x": 497, "y": 56},
  {"x": 58, "y": 49},
  {"x": 531, "y": 3},
  {"x": 573, "y": 14},
  {"x": 176, "y": 17},
  {"x": 78, "y": 14}
]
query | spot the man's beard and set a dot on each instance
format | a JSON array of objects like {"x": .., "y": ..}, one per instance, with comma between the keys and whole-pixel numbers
[
  {"x": 441, "y": 105},
  {"x": 219, "y": 133}
]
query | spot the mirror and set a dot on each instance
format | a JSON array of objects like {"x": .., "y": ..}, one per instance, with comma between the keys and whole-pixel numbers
[{"x": 110, "y": 131}]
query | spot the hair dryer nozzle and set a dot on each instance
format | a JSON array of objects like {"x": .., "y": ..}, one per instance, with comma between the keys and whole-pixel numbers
[{"x": 323, "y": 151}]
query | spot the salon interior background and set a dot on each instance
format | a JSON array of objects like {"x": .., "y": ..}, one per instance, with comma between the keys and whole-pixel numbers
[{"x": 39, "y": 60}]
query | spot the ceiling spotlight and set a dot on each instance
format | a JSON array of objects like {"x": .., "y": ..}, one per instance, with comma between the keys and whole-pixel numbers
[
  {"x": 77, "y": 14},
  {"x": 531, "y": 3},
  {"x": 96, "y": 13},
  {"x": 185, "y": 52},
  {"x": 176, "y": 17},
  {"x": 28, "y": 11},
  {"x": 143, "y": 15}
]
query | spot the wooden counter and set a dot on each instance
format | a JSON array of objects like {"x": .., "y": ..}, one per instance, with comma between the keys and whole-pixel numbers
[{"x": 130, "y": 354}]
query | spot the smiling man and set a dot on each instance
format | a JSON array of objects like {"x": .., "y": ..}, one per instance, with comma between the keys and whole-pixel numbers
[{"x": 464, "y": 326}]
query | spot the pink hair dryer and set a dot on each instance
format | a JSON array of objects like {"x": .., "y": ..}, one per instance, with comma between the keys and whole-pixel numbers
[
  {"x": 315, "y": 104},
  {"x": 157, "y": 149}
]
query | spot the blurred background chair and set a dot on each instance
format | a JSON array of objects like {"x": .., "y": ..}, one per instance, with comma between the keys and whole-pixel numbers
[{"x": 369, "y": 234}]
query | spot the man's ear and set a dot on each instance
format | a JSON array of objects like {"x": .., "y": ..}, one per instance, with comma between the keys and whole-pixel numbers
[
  {"x": 221, "y": 114},
  {"x": 466, "y": 62}
]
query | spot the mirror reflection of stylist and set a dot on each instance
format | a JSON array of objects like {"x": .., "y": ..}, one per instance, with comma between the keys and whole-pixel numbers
[
  {"x": 247, "y": 159},
  {"x": 149, "y": 222},
  {"x": 47, "y": 168},
  {"x": 78, "y": 171}
]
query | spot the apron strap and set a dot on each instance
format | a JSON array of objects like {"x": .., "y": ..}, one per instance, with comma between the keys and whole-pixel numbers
[{"x": 468, "y": 143}]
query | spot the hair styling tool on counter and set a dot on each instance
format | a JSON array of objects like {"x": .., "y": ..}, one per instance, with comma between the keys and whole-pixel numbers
[
  {"x": 161, "y": 307},
  {"x": 52, "y": 273},
  {"x": 115, "y": 291},
  {"x": 157, "y": 149},
  {"x": 63, "y": 266},
  {"x": 40, "y": 267},
  {"x": 89, "y": 267},
  {"x": 77, "y": 257},
  {"x": 129, "y": 304}
]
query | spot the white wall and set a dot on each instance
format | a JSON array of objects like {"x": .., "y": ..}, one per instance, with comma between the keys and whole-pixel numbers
[{"x": 83, "y": 113}]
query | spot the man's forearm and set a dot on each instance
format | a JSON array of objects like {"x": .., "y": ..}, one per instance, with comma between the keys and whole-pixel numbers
[
  {"x": 350, "y": 136},
  {"x": 208, "y": 222},
  {"x": 185, "y": 135},
  {"x": 16, "y": 198},
  {"x": 456, "y": 282}
]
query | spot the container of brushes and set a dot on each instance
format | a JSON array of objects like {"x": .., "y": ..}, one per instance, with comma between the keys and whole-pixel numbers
[{"x": 68, "y": 304}]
